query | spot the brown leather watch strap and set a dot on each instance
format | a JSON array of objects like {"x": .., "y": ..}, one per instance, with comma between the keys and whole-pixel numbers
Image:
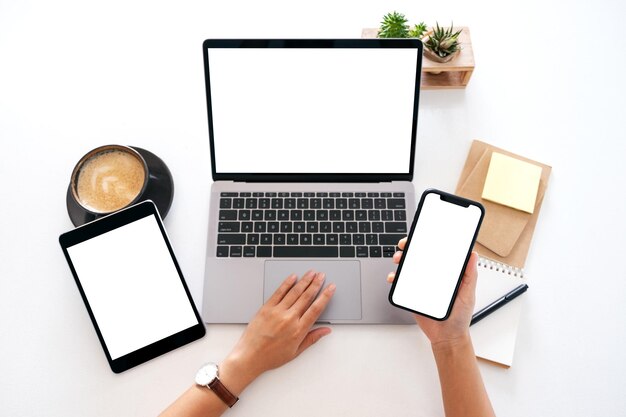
[{"x": 222, "y": 392}]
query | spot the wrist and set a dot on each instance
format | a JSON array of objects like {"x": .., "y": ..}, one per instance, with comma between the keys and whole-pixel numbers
[
  {"x": 236, "y": 374},
  {"x": 454, "y": 345}
]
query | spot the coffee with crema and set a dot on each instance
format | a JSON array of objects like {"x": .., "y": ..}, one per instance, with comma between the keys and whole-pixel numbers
[{"x": 109, "y": 181}]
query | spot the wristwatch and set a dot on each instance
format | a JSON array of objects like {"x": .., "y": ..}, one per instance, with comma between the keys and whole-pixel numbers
[{"x": 208, "y": 376}]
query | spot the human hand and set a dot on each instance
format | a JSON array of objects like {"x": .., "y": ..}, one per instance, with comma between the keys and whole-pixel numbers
[
  {"x": 456, "y": 328},
  {"x": 281, "y": 329}
]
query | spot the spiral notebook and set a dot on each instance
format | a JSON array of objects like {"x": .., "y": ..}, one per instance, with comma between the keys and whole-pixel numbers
[{"x": 494, "y": 336}]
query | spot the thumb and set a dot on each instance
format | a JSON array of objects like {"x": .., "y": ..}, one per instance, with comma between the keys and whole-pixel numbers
[{"x": 312, "y": 337}]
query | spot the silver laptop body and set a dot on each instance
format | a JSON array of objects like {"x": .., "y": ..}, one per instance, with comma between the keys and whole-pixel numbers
[{"x": 312, "y": 151}]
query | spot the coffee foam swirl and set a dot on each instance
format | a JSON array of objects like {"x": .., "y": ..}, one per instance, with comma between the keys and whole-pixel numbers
[{"x": 110, "y": 181}]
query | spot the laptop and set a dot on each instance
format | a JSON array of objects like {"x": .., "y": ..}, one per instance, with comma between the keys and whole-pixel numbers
[{"x": 312, "y": 152}]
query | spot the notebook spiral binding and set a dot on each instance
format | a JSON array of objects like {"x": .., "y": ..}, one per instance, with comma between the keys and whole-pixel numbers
[{"x": 499, "y": 266}]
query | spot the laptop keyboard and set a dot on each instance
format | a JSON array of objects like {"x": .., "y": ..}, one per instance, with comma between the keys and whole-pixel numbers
[{"x": 320, "y": 224}]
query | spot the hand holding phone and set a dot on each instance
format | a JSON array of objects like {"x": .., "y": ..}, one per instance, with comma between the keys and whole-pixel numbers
[{"x": 436, "y": 253}]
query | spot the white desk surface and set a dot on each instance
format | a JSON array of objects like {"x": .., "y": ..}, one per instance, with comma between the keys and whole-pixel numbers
[{"x": 548, "y": 84}]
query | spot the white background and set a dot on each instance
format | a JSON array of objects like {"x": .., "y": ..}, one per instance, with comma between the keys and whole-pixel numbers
[
  {"x": 435, "y": 256},
  {"x": 75, "y": 75},
  {"x": 312, "y": 110},
  {"x": 132, "y": 286}
]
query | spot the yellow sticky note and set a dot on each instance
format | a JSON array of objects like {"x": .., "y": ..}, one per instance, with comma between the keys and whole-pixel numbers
[{"x": 512, "y": 182}]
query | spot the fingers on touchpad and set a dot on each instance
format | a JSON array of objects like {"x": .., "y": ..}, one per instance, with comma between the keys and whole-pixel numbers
[{"x": 346, "y": 275}]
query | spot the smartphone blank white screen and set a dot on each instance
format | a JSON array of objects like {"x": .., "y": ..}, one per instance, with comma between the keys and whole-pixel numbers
[
  {"x": 132, "y": 286},
  {"x": 435, "y": 256}
]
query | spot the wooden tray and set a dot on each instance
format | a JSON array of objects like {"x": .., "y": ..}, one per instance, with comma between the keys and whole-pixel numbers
[{"x": 453, "y": 74}]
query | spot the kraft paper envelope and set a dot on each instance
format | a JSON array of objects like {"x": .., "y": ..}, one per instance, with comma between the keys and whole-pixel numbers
[{"x": 511, "y": 241}]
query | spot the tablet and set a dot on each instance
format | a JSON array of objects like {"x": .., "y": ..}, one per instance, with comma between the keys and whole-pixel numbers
[{"x": 132, "y": 286}]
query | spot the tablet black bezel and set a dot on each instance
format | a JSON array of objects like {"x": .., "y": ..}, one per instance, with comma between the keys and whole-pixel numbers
[
  {"x": 109, "y": 223},
  {"x": 412, "y": 43}
]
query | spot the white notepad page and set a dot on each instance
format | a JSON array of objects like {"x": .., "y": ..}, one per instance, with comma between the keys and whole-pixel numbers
[{"x": 494, "y": 336}]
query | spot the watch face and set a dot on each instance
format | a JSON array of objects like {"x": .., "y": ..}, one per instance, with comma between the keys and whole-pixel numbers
[{"x": 206, "y": 374}]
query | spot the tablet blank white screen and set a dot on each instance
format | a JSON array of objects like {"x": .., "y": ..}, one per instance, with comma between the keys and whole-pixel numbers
[
  {"x": 435, "y": 256},
  {"x": 132, "y": 286}
]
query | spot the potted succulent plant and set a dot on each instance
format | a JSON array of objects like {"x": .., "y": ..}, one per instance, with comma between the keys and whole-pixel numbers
[{"x": 442, "y": 44}]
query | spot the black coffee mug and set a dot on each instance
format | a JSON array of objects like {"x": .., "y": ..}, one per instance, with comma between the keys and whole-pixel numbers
[{"x": 112, "y": 177}]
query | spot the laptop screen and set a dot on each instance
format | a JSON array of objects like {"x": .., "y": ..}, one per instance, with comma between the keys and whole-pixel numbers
[{"x": 313, "y": 110}]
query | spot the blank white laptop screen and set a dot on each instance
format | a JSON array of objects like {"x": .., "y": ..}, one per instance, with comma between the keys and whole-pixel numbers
[
  {"x": 132, "y": 285},
  {"x": 310, "y": 110}
]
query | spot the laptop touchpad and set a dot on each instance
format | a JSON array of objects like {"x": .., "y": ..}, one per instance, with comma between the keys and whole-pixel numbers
[{"x": 346, "y": 275}]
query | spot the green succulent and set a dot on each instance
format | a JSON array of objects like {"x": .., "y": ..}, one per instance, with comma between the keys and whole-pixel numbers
[
  {"x": 444, "y": 42},
  {"x": 418, "y": 31},
  {"x": 394, "y": 25}
]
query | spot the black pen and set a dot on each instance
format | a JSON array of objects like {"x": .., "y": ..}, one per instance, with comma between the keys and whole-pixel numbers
[{"x": 498, "y": 303}]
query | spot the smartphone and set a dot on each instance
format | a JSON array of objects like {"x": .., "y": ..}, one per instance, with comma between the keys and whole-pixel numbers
[{"x": 439, "y": 245}]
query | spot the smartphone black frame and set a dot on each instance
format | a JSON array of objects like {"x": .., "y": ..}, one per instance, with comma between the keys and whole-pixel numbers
[
  {"x": 107, "y": 224},
  {"x": 452, "y": 199}
]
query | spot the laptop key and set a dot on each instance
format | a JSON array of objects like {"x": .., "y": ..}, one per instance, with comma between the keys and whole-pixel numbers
[
  {"x": 253, "y": 239},
  {"x": 332, "y": 239},
  {"x": 345, "y": 239},
  {"x": 270, "y": 214},
  {"x": 292, "y": 239},
  {"x": 244, "y": 214},
  {"x": 232, "y": 227},
  {"x": 354, "y": 203},
  {"x": 341, "y": 203},
  {"x": 312, "y": 227},
  {"x": 279, "y": 239},
  {"x": 273, "y": 227},
  {"x": 305, "y": 239},
  {"x": 335, "y": 215},
  {"x": 367, "y": 203},
  {"x": 251, "y": 203},
  {"x": 283, "y": 214},
  {"x": 318, "y": 239},
  {"x": 226, "y": 203},
  {"x": 239, "y": 203},
  {"x": 334, "y": 194},
  {"x": 306, "y": 252},
  {"x": 296, "y": 215},
  {"x": 396, "y": 203},
  {"x": 372, "y": 194},
  {"x": 245, "y": 194},
  {"x": 316, "y": 203},
  {"x": 399, "y": 215},
  {"x": 299, "y": 227},
  {"x": 347, "y": 194},
  {"x": 257, "y": 194},
  {"x": 266, "y": 239},
  {"x": 264, "y": 203},
  {"x": 352, "y": 227},
  {"x": 361, "y": 252},
  {"x": 321, "y": 215},
  {"x": 358, "y": 239},
  {"x": 222, "y": 251},
  {"x": 303, "y": 203},
  {"x": 309, "y": 194},
  {"x": 339, "y": 227},
  {"x": 277, "y": 203},
  {"x": 231, "y": 239},
  {"x": 346, "y": 251},
  {"x": 380, "y": 203},
  {"x": 386, "y": 215},
  {"x": 378, "y": 227},
  {"x": 260, "y": 227},
  {"x": 359, "y": 194},
  {"x": 390, "y": 239},
  {"x": 228, "y": 214},
  {"x": 227, "y": 194},
  {"x": 328, "y": 203},
  {"x": 386, "y": 195},
  {"x": 326, "y": 227},
  {"x": 264, "y": 251},
  {"x": 395, "y": 227},
  {"x": 371, "y": 239},
  {"x": 286, "y": 227},
  {"x": 290, "y": 203},
  {"x": 398, "y": 194},
  {"x": 360, "y": 215},
  {"x": 365, "y": 227},
  {"x": 283, "y": 194},
  {"x": 296, "y": 194},
  {"x": 247, "y": 227},
  {"x": 347, "y": 215},
  {"x": 235, "y": 251},
  {"x": 257, "y": 214},
  {"x": 373, "y": 215},
  {"x": 309, "y": 214},
  {"x": 248, "y": 252},
  {"x": 388, "y": 251},
  {"x": 375, "y": 252}
]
